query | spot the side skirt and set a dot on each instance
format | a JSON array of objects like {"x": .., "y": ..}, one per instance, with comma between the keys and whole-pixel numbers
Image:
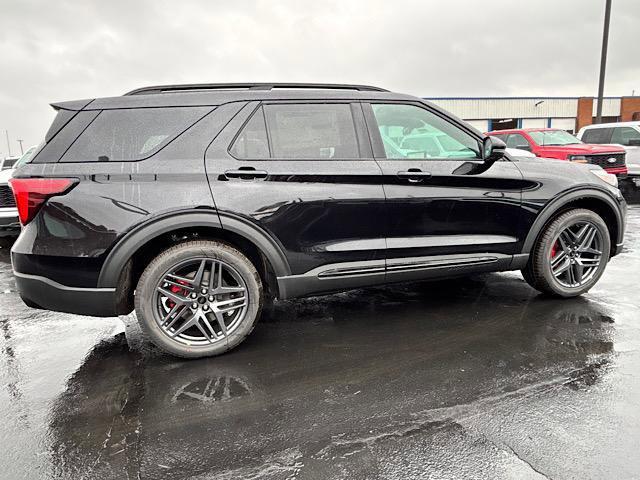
[{"x": 345, "y": 276}]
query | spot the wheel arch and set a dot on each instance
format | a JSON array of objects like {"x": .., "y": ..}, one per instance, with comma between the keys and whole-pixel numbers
[
  {"x": 592, "y": 199},
  {"x": 125, "y": 262}
]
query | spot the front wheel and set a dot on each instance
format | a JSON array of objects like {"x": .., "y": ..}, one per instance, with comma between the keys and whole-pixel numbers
[
  {"x": 571, "y": 254},
  {"x": 198, "y": 299}
]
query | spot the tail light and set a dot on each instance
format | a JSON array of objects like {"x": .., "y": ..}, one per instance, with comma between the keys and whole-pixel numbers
[{"x": 31, "y": 193}]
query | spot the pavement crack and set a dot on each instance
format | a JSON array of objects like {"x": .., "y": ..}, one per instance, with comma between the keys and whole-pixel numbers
[{"x": 509, "y": 449}]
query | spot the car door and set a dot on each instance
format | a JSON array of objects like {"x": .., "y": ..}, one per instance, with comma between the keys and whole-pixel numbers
[
  {"x": 304, "y": 173},
  {"x": 447, "y": 209},
  {"x": 629, "y": 138}
]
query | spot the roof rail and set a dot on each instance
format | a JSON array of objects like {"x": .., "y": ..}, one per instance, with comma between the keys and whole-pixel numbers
[{"x": 249, "y": 86}]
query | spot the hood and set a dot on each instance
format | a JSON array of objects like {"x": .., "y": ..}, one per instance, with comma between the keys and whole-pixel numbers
[
  {"x": 5, "y": 175},
  {"x": 585, "y": 148}
]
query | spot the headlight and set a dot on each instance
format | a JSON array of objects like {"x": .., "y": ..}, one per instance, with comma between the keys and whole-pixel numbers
[
  {"x": 607, "y": 177},
  {"x": 578, "y": 158}
]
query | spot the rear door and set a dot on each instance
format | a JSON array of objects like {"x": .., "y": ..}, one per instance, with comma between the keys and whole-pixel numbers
[
  {"x": 304, "y": 173},
  {"x": 442, "y": 202}
]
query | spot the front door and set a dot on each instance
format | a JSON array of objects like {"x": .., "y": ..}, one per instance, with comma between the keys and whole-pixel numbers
[
  {"x": 445, "y": 206},
  {"x": 304, "y": 172}
]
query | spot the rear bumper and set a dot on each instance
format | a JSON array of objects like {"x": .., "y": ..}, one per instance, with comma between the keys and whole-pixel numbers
[{"x": 44, "y": 293}]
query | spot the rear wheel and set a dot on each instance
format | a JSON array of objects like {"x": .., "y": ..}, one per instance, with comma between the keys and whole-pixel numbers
[
  {"x": 198, "y": 299},
  {"x": 571, "y": 254}
]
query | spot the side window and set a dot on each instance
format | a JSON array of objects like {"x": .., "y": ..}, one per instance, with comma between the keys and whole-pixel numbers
[
  {"x": 597, "y": 135},
  {"x": 252, "y": 143},
  {"x": 313, "y": 131},
  {"x": 409, "y": 131},
  {"x": 125, "y": 135},
  {"x": 515, "y": 140},
  {"x": 623, "y": 135}
]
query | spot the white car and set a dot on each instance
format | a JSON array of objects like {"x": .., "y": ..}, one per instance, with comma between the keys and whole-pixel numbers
[
  {"x": 9, "y": 223},
  {"x": 625, "y": 134}
]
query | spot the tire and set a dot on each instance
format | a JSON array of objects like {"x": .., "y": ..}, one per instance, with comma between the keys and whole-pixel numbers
[
  {"x": 538, "y": 272},
  {"x": 240, "y": 310}
]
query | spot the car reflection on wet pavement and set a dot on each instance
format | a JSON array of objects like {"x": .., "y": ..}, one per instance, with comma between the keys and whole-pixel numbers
[{"x": 468, "y": 378}]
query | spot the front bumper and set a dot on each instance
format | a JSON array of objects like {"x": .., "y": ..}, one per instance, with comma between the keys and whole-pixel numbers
[
  {"x": 44, "y": 293},
  {"x": 9, "y": 222}
]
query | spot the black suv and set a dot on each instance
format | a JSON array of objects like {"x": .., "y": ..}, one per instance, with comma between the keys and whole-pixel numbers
[{"x": 196, "y": 204}]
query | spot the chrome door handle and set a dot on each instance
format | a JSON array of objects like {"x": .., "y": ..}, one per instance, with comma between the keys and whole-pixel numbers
[{"x": 247, "y": 173}]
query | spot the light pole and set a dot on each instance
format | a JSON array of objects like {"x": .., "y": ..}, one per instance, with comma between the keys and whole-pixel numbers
[
  {"x": 603, "y": 59},
  {"x": 20, "y": 142},
  {"x": 6, "y": 132}
]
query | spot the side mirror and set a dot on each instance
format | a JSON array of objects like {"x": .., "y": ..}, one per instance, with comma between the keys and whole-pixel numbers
[
  {"x": 634, "y": 142},
  {"x": 493, "y": 149}
]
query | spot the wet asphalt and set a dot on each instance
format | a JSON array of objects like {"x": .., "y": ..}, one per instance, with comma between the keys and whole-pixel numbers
[{"x": 470, "y": 378}]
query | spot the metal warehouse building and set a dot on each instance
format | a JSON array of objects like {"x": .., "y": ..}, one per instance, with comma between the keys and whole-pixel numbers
[{"x": 567, "y": 113}]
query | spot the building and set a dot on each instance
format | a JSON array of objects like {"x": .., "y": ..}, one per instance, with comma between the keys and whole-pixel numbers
[{"x": 567, "y": 113}]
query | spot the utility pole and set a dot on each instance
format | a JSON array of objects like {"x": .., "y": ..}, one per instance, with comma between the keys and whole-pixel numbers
[
  {"x": 603, "y": 59},
  {"x": 6, "y": 132},
  {"x": 21, "y": 150}
]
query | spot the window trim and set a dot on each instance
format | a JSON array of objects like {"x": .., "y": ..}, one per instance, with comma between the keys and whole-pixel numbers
[
  {"x": 378, "y": 146},
  {"x": 357, "y": 117},
  {"x": 152, "y": 152}
]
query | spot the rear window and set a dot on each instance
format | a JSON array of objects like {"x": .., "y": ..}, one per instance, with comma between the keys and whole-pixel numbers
[
  {"x": 125, "y": 135},
  {"x": 597, "y": 135},
  {"x": 311, "y": 131}
]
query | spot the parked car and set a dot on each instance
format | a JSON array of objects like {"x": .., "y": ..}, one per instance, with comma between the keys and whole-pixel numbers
[
  {"x": 195, "y": 204},
  {"x": 9, "y": 223},
  {"x": 624, "y": 134},
  {"x": 7, "y": 163},
  {"x": 561, "y": 145}
]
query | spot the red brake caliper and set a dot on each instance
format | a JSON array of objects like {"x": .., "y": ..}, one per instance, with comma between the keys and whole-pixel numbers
[
  {"x": 554, "y": 249},
  {"x": 177, "y": 289}
]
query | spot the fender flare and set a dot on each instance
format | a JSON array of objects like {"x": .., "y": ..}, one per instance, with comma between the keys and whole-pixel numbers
[
  {"x": 135, "y": 239},
  {"x": 555, "y": 205}
]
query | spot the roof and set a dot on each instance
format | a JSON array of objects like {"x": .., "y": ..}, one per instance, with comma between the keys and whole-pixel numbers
[
  {"x": 614, "y": 124},
  {"x": 218, "y": 94}
]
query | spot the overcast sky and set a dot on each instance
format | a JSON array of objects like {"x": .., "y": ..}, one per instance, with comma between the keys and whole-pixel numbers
[{"x": 65, "y": 50}]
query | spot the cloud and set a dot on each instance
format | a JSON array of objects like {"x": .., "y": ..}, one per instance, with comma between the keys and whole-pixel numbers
[{"x": 52, "y": 51}]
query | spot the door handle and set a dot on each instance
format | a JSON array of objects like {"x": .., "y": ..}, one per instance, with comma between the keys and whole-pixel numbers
[
  {"x": 246, "y": 173},
  {"x": 414, "y": 175}
]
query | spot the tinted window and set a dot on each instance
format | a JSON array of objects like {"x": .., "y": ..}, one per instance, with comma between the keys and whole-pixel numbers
[
  {"x": 252, "y": 142},
  {"x": 311, "y": 131},
  {"x": 515, "y": 140},
  {"x": 409, "y": 131},
  {"x": 131, "y": 134},
  {"x": 622, "y": 135},
  {"x": 597, "y": 135}
]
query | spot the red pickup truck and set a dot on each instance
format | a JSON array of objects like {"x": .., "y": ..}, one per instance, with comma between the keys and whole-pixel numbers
[{"x": 555, "y": 143}]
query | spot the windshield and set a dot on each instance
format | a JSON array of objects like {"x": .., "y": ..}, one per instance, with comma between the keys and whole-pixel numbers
[
  {"x": 553, "y": 137},
  {"x": 25, "y": 158}
]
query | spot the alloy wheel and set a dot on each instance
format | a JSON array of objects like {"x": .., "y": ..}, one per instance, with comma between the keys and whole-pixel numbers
[
  {"x": 576, "y": 254},
  {"x": 200, "y": 301}
]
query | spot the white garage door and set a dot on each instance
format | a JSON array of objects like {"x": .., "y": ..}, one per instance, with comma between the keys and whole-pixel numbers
[
  {"x": 564, "y": 123},
  {"x": 482, "y": 125},
  {"x": 534, "y": 123}
]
